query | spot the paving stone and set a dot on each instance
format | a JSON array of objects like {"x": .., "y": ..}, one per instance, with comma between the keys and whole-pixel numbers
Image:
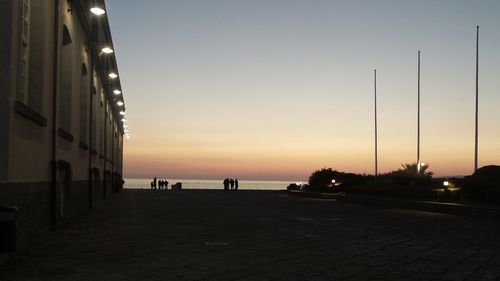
[{"x": 257, "y": 235}]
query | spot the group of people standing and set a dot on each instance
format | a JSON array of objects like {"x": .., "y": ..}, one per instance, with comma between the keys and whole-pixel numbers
[
  {"x": 230, "y": 183},
  {"x": 161, "y": 184}
]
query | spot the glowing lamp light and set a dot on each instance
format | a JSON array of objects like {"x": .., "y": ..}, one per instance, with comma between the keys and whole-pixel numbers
[
  {"x": 333, "y": 181},
  {"x": 117, "y": 92},
  {"x": 112, "y": 75},
  {"x": 97, "y": 11},
  {"x": 107, "y": 50},
  {"x": 119, "y": 103},
  {"x": 446, "y": 183},
  {"x": 124, "y": 120},
  {"x": 422, "y": 164},
  {"x": 122, "y": 112}
]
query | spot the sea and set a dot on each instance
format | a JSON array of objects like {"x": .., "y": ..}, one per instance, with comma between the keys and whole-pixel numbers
[{"x": 211, "y": 184}]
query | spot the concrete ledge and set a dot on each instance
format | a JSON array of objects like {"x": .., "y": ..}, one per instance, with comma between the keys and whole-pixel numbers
[
  {"x": 427, "y": 206},
  {"x": 312, "y": 194},
  {"x": 29, "y": 113}
]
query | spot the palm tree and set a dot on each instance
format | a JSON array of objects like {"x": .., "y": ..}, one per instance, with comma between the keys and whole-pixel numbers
[{"x": 413, "y": 169}]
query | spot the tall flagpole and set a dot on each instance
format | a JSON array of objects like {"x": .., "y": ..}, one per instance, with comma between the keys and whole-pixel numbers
[
  {"x": 477, "y": 98},
  {"x": 376, "y": 151},
  {"x": 418, "y": 114}
]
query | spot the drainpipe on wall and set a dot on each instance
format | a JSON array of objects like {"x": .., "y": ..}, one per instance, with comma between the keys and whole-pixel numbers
[
  {"x": 104, "y": 141},
  {"x": 113, "y": 164},
  {"x": 121, "y": 157},
  {"x": 91, "y": 105},
  {"x": 53, "y": 162}
]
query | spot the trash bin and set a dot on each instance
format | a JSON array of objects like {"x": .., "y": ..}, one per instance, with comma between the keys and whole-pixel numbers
[{"x": 8, "y": 229}]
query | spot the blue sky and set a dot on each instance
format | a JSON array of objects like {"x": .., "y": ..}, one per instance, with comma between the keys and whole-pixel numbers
[{"x": 277, "y": 89}]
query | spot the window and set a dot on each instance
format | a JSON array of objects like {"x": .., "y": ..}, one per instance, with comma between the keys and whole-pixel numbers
[
  {"x": 66, "y": 83},
  {"x": 84, "y": 85},
  {"x": 24, "y": 49},
  {"x": 94, "y": 123},
  {"x": 101, "y": 124},
  {"x": 102, "y": 97}
]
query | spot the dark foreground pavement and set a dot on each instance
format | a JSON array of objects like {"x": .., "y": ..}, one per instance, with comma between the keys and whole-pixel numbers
[{"x": 258, "y": 235}]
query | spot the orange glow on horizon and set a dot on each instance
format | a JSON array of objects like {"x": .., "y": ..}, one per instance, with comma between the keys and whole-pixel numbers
[{"x": 223, "y": 95}]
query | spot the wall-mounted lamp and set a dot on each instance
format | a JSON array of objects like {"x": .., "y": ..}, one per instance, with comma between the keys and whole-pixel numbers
[
  {"x": 97, "y": 11},
  {"x": 107, "y": 50}
]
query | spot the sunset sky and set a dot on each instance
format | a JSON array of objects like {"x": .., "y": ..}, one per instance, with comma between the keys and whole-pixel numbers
[{"x": 269, "y": 89}]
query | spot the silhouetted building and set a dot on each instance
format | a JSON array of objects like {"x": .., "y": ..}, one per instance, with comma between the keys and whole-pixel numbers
[{"x": 61, "y": 131}]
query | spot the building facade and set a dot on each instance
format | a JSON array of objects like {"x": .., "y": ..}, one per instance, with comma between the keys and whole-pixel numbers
[{"x": 61, "y": 111}]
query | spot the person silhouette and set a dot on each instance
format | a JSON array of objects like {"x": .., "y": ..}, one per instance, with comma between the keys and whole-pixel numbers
[
  {"x": 154, "y": 183},
  {"x": 226, "y": 184},
  {"x": 235, "y": 184},
  {"x": 165, "y": 182},
  {"x": 231, "y": 181}
]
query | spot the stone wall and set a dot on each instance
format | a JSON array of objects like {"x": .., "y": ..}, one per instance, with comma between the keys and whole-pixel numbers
[
  {"x": 34, "y": 202},
  {"x": 97, "y": 192},
  {"x": 5, "y": 85}
]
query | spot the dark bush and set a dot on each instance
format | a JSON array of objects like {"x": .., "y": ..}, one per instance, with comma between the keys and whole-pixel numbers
[
  {"x": 322, "y": 177},
  {"x": 422, "y": 180},
  {"x": 321, "y": 180},
  {"x": 401, "y": 179},
  {"x": 483, "y": 185},
  {"x": 293, "y": 186},
  {"x": 411, "y": 175}
]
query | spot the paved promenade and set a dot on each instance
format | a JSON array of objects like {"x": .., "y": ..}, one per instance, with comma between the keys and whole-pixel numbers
[{"x": 256, "y": 236}]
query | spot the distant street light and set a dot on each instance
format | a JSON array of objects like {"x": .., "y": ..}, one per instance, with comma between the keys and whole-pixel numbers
[
  {"x": 446, "y": 183},
  {"x": 117, "y": 92},
  {"x": 119, "y": 103},
  {"x": 112, "y": 75}
]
